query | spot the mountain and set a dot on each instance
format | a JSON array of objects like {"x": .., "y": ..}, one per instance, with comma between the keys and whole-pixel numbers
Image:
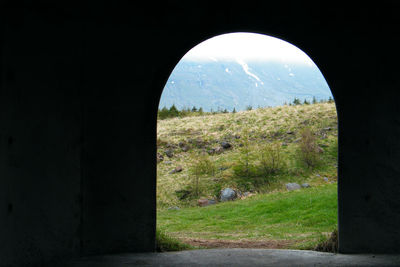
[{"x": 218, "y": 84}]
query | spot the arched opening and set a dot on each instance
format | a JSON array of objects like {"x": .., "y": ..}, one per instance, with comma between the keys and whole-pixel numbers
[{"x": 247, "y": 146}]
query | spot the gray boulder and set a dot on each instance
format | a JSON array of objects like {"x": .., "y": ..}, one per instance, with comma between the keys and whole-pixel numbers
[
  {"x": 228, "y": 194},
  {"x": 177, "y": 169},
  {"x": 181, "y": 144},
  {"x": 292, "y": 186},
  {"x": 305, "y": 185},
  {"x": 226, "y": 145},
  {"x": 169, "y": 153}
]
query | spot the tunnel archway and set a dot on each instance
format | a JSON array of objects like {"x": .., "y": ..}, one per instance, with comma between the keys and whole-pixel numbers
[{"x": 282, "y": 58}]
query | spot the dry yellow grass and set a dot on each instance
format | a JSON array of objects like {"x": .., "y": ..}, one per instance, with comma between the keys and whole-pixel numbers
[
  {"x": 209, "y": 127},
  {"x": 201, "y": 133}
]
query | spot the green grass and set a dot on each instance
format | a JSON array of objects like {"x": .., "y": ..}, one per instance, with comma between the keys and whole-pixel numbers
[
  {"x": 165, "y": 242},
  {"x": 303, "y": 216}
]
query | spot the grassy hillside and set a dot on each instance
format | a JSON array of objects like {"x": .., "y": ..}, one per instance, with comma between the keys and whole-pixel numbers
[
  {"x": 257, "y": 153},
  {"x": 254, "y": 136}
]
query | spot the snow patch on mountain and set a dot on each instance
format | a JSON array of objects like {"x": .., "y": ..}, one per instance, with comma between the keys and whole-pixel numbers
[{"x": 246, "y": 69}]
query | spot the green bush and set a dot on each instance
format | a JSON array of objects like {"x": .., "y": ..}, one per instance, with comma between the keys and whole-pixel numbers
[
  {"x": 244, "y": 166},
  {"x": 245, "y": 169},
  {"x": 271, "y": 159},
  {"x": 329, "y": 244},
  {"x": 257, "y": 165},
  {"x": 202, "y": 166},
  {"x": 308, "y": 148}
]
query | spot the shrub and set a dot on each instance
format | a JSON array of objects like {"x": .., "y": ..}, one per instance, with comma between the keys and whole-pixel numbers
[
  {"x": 244, "y": 167},
  {"x": 330, "y": 244},
  {"x": 202, "y": 166},
  {"x": 271, "y": 159},
  {"x": 163, "y": 113},
  {"x": 308, "y": 148}
]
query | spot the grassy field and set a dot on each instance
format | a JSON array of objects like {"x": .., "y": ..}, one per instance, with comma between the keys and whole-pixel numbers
[
  {"x": 268, "y": 147},
  {"x": 302, "y": 217}
]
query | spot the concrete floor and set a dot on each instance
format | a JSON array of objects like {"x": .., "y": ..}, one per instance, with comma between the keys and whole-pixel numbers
[{"x": 237, "y": 257}]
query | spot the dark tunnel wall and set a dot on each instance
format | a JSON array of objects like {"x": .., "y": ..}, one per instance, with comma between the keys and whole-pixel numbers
[{"x": 78, "y": 100}]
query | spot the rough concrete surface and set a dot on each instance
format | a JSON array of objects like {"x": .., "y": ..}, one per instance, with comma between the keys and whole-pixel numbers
[
  {"x": 238, "y": 257},
  {"x": 79, "y": 91}
]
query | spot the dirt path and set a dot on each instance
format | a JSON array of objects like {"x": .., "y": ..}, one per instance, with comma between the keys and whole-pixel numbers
[{"x": 216, "y": 243}]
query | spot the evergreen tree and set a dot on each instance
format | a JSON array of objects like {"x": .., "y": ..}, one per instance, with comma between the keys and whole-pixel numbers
[
  {"x": 163, "y": 113},
  {"x": 234, "y": 110},
  {"x": 314, "y": 100},
  {"x": 173, "y": 111},
  {"x": 194, "y": 109},
  {"x": 306, "y": 102},
  {"x": 296, "y": 101},
  {"x": 330, "y": 100},
  {"x": 200, "y": 111}
]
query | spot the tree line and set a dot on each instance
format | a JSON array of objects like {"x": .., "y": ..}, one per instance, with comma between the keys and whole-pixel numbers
[{"x": 173, "y": 111}]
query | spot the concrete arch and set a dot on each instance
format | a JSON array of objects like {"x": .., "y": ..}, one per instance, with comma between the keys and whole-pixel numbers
[
  {"x": 79, "y": 91},
  {"x": 200, "y": 39}
]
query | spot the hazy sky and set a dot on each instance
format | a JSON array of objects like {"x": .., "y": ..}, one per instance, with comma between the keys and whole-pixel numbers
[{"x": 247, "y": 47}]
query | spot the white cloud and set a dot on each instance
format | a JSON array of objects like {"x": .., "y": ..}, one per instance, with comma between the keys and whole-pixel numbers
[{"x": 248, "y": 47}]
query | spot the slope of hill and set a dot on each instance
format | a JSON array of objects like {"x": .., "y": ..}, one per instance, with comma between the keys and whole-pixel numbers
[
  {"x": 191, "y": 140},
  {"x": 238, "y": 84},
  {"x": 256, "y": 153}
]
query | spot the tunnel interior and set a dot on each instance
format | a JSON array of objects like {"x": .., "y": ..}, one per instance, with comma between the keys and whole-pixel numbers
[{"x": 78, "y": 100}]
